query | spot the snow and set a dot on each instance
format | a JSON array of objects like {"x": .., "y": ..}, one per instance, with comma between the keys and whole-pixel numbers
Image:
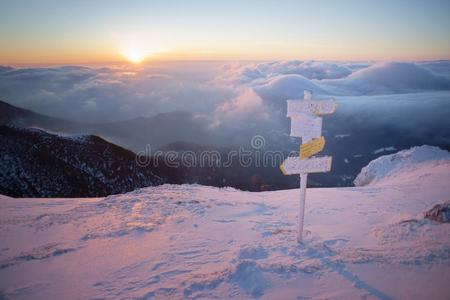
[
  {"x": 385, "y": 149},
  {"x": 341, "y": 136},
  {"x": 82, "y": 138},
  {"x": 197, "y": 242},
  {"x": 406, "y": 161}
]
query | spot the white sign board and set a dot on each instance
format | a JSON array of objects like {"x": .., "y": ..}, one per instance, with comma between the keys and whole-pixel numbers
[
  {"x": 295, "y": 165},
  {"x": 306, "y": 123},
  {"x": 306, "y": 126},
  {"x": 315, "y": 107}
]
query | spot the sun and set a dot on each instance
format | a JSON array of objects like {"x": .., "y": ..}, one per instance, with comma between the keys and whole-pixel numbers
[{"x": 134, "y": 54}]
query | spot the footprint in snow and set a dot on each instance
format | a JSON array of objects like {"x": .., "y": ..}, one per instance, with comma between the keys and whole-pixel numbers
[{"x": 253, "y": 253}]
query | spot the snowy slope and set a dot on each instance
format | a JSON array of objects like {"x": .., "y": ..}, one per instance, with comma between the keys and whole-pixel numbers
[
  {"x": 397, "y": 166},
  {"x": 190, "y": 241}
]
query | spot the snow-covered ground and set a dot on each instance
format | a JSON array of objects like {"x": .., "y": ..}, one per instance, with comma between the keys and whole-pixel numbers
[{"x": 190, "y": 241}]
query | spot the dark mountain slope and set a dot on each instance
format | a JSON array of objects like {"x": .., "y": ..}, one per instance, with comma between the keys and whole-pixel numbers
[{"x": 34, "y": 163}]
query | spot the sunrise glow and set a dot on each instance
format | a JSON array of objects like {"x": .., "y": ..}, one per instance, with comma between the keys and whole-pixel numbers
[
  {"x": 134, "y": 55},
  {"x": 229, "y": 30}
]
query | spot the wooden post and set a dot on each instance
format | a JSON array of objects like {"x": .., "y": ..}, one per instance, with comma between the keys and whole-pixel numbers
[
  {"x": 301, "y": 212},
  {"x": 307, "y": 95}
]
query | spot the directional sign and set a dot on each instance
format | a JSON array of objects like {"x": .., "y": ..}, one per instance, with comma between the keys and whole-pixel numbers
[
  {"x": 306, "y": 126},
  {"x": 316, "y": 107},
  {"x": 306, "y": 123},
  {"x": 294, "y": 165},
  {"x": 311, "y": 148}
]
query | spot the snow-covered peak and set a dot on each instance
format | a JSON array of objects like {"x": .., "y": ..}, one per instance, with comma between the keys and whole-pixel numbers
[
  {"x": 402, "y": 162},
  {"x": 198, "y": 242}
]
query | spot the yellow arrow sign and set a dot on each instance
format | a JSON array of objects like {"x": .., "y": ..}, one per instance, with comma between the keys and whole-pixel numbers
[{"x": 312, "y": 147}]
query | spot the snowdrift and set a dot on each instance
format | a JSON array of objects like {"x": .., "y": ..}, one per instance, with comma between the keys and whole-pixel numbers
[{"x": 406, "y": 163}]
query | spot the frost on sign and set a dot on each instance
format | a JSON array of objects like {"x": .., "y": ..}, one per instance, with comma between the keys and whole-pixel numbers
[
  {"x": 306, "y": 126},
  {"x": 314, "y": 107},
  {"x": 295, "y": 165}
]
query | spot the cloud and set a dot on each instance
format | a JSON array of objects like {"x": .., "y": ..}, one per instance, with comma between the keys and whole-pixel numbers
[
  {"x": 248, "y": 101},
  {"x": 242, "y": 117},
  {"x": 440, "y": 67},
  {"x": 285, "y": 87},
  {"x": 222, "y": 92},
  {"x": 90, "y": 105},
  {"x": 280, "y": 80},
  {"x": 309, "y": 69},
  {"x": 257, "y": 73},
  {"x": 247, "y": 106},
  {"x": 227, "y": 104},
  {"x": 390, "y": 78},
  {"x": 266, "y": 86},
  {"x": 109, "y": 94}
]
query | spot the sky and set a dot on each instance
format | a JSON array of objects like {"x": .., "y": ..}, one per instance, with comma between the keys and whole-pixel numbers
[{"x": 82, "y": 31}]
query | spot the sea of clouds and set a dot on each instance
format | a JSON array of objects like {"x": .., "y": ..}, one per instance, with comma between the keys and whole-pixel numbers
[{"x": 229, "y": 95}]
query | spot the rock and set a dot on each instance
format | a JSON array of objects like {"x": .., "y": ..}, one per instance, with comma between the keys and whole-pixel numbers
[{"x": 439, "y": 213}]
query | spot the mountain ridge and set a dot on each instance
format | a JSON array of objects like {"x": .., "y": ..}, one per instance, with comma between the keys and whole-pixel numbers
[{"x": 35, "y": 163}]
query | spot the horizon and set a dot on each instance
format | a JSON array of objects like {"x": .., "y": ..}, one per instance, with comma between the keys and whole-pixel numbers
[
  {"x": 81, "y": 33},
  {"x": 149, "y": 63}
]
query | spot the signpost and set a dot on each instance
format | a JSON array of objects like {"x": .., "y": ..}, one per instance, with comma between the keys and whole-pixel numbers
[
  {"x": 311, "y": 148},
  {"x": 306, "y": 124},
  {"x": 295, "y": 165}
]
